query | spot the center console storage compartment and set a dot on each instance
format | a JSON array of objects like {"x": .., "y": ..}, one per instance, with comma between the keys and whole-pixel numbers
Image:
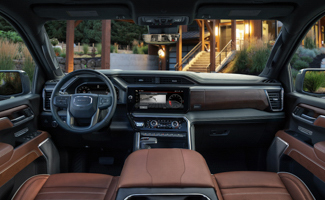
[{"x": 165, "y": 174}]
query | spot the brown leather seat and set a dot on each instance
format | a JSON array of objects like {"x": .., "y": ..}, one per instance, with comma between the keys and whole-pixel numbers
[
  {"x": 68, "y": 186},
  {"x": 260, "y": 185}
]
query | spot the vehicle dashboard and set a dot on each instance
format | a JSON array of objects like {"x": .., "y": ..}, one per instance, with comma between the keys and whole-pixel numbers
[{"x": 180, "y": 105}]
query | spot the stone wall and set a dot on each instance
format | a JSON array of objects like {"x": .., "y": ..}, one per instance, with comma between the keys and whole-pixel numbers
[{"x": 118, "y": 61}]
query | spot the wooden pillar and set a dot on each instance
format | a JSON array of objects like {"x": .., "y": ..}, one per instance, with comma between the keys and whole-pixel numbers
[
  {"x": 217, "y": 33},
  {"x": 256, "y": 28},
  {"x": 319, "y": 34},
  {"x": 152, "y": 50},
  {"x": 202, "y": 35},
  {"x": 106, "y": 44},
  {"x": 179, "y": 50},
  {"x": 233, "y": 34},
  {"x": 69, "y": 67},
  {"x": 213, "y": 46}
]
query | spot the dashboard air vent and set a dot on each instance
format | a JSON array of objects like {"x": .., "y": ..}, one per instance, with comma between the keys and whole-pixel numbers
[
  {"x": 172, "y": 80},
  {"x": 135, "y": 80},
  {"x": 47, "y": 100},
  {"x": 275, "y": 99},
  {"x": 270, "y": 81}
]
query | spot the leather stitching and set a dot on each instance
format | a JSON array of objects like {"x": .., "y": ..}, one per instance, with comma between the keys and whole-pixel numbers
[
  {"x": 319, "y": 149},
  {"x": 294, "y": 183},
  {"x": 147, "y": 168},
  {"x": 184, "y": 167},
  {"x": 67, "y": 192},
  {"x": 6, "y": 150},
  {"x": 108, "y": 187}
]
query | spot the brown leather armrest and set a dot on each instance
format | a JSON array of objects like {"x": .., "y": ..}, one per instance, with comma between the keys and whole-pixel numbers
[
  {"x": 320, "y": 121},
  {"x": 319, "y": 149},
  {"x": 6, "y": 151},
  {"x": 165, "y": 168}
]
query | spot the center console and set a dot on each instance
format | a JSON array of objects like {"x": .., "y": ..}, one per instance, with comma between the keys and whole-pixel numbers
[
  {"x": 158, "y": 117},
  {"x": 151, "y": 174}
]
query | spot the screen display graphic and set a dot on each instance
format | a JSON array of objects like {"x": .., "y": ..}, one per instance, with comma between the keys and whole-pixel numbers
[{"x": 152, "y": 98}]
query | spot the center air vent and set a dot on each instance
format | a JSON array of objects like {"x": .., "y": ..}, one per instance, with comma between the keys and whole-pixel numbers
[
  {"x": 172, "y": 80},
  {"x": 47, "y": 100},
  {"x": 275, "y": 98},
  {"x": 141, "y": 80}
]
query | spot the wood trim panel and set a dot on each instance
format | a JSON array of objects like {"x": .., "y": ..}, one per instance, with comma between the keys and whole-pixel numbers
[
  {"x": 8, "y": 113},
  {"x": 303, "y": 154},
  {"x": 21, "y": 157},
  {"x": 228, "y": 99}
]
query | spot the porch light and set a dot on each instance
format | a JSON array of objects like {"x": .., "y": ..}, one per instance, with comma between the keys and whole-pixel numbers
[
  {"x": 246, "y": 28},
  {"x": 217, "y": 31},
  {"x": 161, "y": 53}
]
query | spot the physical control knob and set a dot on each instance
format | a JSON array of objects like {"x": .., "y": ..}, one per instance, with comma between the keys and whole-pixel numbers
[
  {"x": 153, "y": 124},
  {"x": 175, "y": 124}
]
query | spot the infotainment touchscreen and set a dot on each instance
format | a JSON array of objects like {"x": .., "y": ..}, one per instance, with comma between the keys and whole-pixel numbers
[
  {"x": 152, "y": 99},
  {"x": 159, "y": 99}
]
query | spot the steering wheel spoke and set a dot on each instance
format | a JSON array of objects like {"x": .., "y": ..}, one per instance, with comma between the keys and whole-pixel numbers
[
  {"x": 61, "y": 101},
  {"x": 104, "y": 101}
]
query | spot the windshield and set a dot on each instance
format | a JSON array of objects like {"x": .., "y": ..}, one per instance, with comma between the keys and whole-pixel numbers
[{"x": 205, "y": 46}]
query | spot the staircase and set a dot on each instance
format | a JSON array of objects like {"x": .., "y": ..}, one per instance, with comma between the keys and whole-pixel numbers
[{"x": 200, "y": 64}]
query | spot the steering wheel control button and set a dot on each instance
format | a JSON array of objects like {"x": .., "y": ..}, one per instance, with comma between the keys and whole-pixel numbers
[
  {"x": 104, "y": 102},
  {"x": 61, "y": 101}
]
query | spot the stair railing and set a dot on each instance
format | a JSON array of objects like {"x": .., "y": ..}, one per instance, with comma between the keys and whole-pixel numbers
[
  {"x": 192, "y": 53},
  {"x": 227, "y": 49}
]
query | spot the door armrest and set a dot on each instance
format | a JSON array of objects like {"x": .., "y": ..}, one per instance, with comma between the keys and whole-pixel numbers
[
  {"x": 6, "y": 151},
  {"x": 319, "y": 149}
]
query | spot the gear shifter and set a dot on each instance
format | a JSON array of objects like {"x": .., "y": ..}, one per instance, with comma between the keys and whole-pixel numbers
[{"x": 145, "y": 142}]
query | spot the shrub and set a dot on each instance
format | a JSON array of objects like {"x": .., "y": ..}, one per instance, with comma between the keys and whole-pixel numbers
[
  {"x": 137, "y": 50},
  {"x": 29, "y": 66},
  {"x": 11, "y": 36},
  {"x": 259, "y": 59},
  {"x": 145, "y": 49},
  {"x": 294, "y": 58},
  {"x": 294, "y": 74},
  {"x": 113, "y": 49},
  {"x": 313, "y": 81},
  {"x": 54, "y": 41},
  {"x": 322, "y": 50},
  {"x": 85, "y": 48},
  {"x": 317, "y": 51},
  {"x": 241, "y": 62},
  {"x": 306, "y": 59},
  {"x": 99, "y": 48},
  {"x": 307, "y": 52},
  {"x": 8, "y": 51},
  {"x": 57, "y": 51},
  {"x": 300, "y": 64},
  {"x": 309, "y": 42}
]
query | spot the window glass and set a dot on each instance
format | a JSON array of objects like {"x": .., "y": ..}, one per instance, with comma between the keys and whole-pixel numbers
[
  {"x": 14, "y": 55},
  {"x": 311, "y": 54},
  {"x": 241, "y": 46}
]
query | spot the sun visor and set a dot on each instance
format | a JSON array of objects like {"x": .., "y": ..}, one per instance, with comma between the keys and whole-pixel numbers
[
  {"x": 213, "y": 11},
  {"x": 73, "y": 12}
]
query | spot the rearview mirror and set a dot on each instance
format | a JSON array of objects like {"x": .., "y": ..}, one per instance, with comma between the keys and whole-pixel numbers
[
  {"x": 13, "y": 83},
  {"x": 311, "y": 81},
  {"x": 160, "y": 38}
]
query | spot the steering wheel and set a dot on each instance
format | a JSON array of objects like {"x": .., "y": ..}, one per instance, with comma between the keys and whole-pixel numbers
[{"x": 86, "y": 107}]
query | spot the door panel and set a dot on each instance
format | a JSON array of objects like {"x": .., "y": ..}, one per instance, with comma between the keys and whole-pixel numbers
[
  {"x": 19, "y": 140},
  {"x": 305, "y": 137}
]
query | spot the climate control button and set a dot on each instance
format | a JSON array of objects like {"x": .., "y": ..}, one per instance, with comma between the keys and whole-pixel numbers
[
  {"x": 175, "y": 124},
  {"x": 153, "y": 123}
]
